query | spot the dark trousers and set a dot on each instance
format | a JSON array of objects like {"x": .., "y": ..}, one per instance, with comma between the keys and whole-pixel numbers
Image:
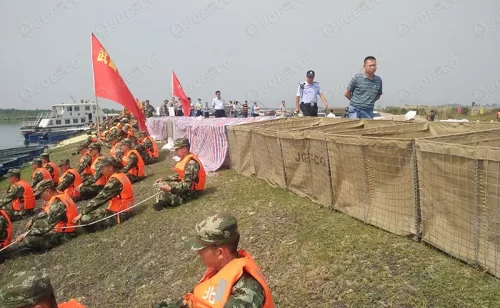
[
  {"x": 220, "y": 113},
  {"x": 309, "y": 110},
  {"x": 207, "y": 114},
  {"x": 198, "y": 113},
  {"x": 244, "y": 114}
]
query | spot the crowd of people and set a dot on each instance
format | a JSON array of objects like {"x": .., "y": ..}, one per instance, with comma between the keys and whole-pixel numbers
[{"x": 107, "y": 178}]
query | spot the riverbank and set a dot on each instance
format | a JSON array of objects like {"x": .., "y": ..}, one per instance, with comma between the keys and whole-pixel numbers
[{"x": 311, "y": 256}]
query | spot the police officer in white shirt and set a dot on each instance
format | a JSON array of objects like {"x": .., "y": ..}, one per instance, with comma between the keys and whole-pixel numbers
[
  {"x": 307, "y": 96},
  {"x": 218, "y": 104}
]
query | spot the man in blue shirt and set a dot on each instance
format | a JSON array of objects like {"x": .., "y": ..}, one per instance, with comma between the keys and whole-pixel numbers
[
  {"x": 307, "y": 96},
  {"x": 364, "y": 90}
]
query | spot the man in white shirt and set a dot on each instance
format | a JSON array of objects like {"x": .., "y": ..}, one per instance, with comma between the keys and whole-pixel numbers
[
  {"x": 331, "y": 114},
  {"x": 218, "y": 104}
]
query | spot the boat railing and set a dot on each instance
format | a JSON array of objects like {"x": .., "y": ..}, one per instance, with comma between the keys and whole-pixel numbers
[{"x": 37, "y": 121}]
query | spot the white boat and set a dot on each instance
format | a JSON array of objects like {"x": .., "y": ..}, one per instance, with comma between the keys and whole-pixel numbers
[{"x": 64, "y": 119}]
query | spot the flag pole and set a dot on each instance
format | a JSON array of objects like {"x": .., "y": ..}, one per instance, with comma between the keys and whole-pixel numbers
[{"x": 93, "y": 79}]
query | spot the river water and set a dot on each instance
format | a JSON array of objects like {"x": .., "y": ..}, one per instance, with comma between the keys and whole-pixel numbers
[{"x": 10, "y": 135}]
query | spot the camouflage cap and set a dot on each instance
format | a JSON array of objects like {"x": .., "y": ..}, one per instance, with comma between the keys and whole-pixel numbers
[
  {"x": 110, "y": 161},
  {"x": 45, "y": 154},
  {"x": 36, "y": 161},
  {"x": 26, "y": 290},
  {"x": 180, "y": 142},
  {"x": 63, "y": 162},
  {"x": 13, "y": 172},
  {"x": 43, "y": 185},
  {"x": 215, "y": 230},
  {"x": 127, "y": 142},
  {"x": 95, "y": 146}
]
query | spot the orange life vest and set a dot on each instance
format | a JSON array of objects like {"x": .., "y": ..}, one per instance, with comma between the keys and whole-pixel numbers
[
  {"x": 113, "y": 150},
  {"x": 55, "y": 174},
  {"x": 130, "y": 132},
  {"x": 78, "y": 180},
  {"x": 45, "y": 173},
  {"x": 87, "y": 170},
  {"x": 71, "y": 212},
  {"x": 138, "y": 169},
  {"x": 215, "y": 288},
  {"x": 71, "y": 304},
  {"x": 180, "y": 168},
  {"x": 28, "y": 196},
  {"x": 6, "y": 242},
  {"x": 498, "y": 114},
  {"x": 102, "y": 179},
  {"x": 153, "y": 154},
  {"x": 125, "y": 199}
]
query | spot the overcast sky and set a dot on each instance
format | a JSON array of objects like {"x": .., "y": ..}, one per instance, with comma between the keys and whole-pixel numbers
[{"x": 428, "y": 51}]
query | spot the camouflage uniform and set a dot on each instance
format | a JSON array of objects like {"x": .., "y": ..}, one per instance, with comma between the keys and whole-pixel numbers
[
  {"x": 148, "y": 110},
  {"x": 13, "y": 193},
  {"x": 164, "y": 109},
  {"x": 68, "y": 179},
  {"x": 37, "y": 176},
  {"x": 28, "y": 290},
  {"x": 89, "y": 189},
  {"x": 132, "y": 162},
  {"x": 42, "y": 236},
  {"x": 220, "y": 230},
  {"x": 86, "y": 162},
  {"x": 141, "y": 148},
  {"x": 181, "y": 191},
  {"x": 97, "y": 208},
  {"x": 3, "y": 228}
]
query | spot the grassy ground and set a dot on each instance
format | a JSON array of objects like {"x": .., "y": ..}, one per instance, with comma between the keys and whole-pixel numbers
[{"x": 311, "y": 256}]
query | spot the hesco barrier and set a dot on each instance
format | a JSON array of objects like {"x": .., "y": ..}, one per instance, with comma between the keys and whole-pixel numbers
[{"x": 413, "y": 179}]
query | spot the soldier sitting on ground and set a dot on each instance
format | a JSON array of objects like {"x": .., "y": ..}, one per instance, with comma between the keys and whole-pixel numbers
[
  {"x": 118, "y": 194},
  {"x": 85, "y": 162},
  {"x": 20, "y": 196},
  {"x": 5, "y": 232},
  {"x": 39, "y": 173},
  {"x": 32, "y": 290},
  {"x": 93, "y": 184},
  {"x": 54, "y": 225},
  {"x": 51, "y": 167},
  {"x": 114, "y": 144},
  {"x": 233, "y": 278},
  {"x": 147, "y": 148},
  {"x": 133, "y": 165},
  {"x": 187, "y": 183},
  {"x": 70, "y": 180}
]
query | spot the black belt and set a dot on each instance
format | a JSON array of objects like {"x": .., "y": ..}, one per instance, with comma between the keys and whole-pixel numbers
[{"x": 309, "y": 104}]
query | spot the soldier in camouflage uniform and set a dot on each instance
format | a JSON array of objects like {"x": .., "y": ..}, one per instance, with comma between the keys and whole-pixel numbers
[
  {"x": 32, "y": 289},
  {"x": 14, "y": 192},
  {"x": 88, "y": 188},
  {"x": 216, "y": 242},
  {"x": 146, "y": 143},
  {"x": 50, "y": 167},
  {"x": 133, "y": 161},
  {"x": 148, "y": 109},
  {"x": 164, "y": 109},
  {"x": 42, "y": 235},
  {"x": 97, "y": 208},
  {"x": 37, "y": 176},
  {"x": 174, "y": 190},
  {"x": 85, "y": 161}
]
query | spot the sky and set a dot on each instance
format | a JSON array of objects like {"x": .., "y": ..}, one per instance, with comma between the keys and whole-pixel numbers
[{"x": 428, "y": 51}]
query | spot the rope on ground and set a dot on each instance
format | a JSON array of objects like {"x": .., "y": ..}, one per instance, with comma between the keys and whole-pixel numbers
[{"x": 92, "y": 223}]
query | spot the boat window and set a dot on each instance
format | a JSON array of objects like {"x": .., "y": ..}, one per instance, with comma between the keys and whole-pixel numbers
[
  {"x": 94, "y": 107},
  {"x": 75, "y": 120},
  {"x": 69, "y": 108},
  {"x": 77, "y": 108},
  {"x": 58, "y": 122},
  {"x": 66, "y": 121},
  {"x": 50, "y": 122},
  {"x": 83, "y": 120},
  {"x": 87, "y": 107}
]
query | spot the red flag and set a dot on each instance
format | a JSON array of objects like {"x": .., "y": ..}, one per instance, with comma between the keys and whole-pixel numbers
[
  {"x": 179, "y": 92},
  {"x": 109, "y": 84}
]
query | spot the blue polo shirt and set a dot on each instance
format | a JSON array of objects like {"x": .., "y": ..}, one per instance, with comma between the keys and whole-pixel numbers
[{"x": 364, "y": 91}]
